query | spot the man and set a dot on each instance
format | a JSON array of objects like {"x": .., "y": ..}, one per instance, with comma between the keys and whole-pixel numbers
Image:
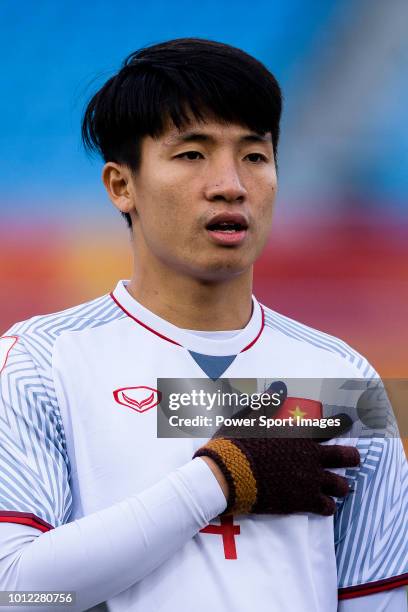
[{"x": 91, "y": 500}]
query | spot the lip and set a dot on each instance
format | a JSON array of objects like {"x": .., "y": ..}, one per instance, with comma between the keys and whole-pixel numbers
[
  {"x": 229, "y": 217},
  {"x": 225, "y": 238}
]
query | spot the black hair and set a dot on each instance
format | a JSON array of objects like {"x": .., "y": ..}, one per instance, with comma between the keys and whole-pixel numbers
[{"x": 175, "y": 80}]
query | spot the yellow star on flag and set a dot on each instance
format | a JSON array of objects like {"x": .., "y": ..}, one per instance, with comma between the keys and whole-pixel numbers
[{"x": 297, "y": 412}]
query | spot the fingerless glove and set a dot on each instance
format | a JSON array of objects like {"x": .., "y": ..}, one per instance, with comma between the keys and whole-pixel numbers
[{"x": 281, "y": 475}]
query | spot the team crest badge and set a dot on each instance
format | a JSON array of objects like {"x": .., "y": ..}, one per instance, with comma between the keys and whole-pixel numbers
[{"x": 137, "y": 398}]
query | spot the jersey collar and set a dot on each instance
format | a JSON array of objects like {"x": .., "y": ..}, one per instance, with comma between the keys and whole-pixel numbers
[{"x": 168, "y": 332}]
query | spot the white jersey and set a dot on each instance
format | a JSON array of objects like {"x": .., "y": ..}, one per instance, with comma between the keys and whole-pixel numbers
[{"x": 78, "y": 433}]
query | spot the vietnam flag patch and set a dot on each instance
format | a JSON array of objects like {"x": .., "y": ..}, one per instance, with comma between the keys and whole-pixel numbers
[{"x": 300, "y": 407}]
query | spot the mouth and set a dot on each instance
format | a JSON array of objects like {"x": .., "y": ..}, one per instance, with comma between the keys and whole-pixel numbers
[{"x": 228, "y": 229}]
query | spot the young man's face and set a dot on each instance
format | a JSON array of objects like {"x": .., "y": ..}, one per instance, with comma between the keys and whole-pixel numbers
[{"x": 203, "y": 199}]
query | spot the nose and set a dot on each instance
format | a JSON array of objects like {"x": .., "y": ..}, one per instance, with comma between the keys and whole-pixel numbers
[{"x": 225, "y": 185}]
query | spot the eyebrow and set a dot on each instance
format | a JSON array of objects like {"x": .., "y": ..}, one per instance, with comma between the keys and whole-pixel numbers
[{"x": 207, "y": 138}]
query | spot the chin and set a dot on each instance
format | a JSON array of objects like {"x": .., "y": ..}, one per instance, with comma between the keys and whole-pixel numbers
[{"x": 223, "y": 270}]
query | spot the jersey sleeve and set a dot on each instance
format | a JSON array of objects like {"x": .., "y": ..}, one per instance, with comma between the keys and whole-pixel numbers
[
  {"x": 387, "y": 601},
  {"x": 371, "y": 526},
  {"x": 34, "y": 468}
]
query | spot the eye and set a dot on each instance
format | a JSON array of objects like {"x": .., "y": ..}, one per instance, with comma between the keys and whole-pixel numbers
[
  {"x": 256, "y": 158},
  {"x": 190, "y": 155}
]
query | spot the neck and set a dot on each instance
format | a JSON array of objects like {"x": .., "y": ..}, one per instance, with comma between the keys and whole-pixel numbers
[{"x": 189, "y": 303}]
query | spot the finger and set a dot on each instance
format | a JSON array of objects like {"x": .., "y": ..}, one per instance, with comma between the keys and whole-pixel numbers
[
  {"x": 338, "y": 456},
  {"x": 324, "y": 505},
  {"x": 279, "y": 390},
  {"x": 345, "y": 423},
  {"x": 335, "y": 485}
]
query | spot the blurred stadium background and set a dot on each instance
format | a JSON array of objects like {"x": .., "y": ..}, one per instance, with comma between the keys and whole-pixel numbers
[{"x": 338, "y": 254}]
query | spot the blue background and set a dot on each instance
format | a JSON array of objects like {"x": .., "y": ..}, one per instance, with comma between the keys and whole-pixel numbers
[{"x": 56, "y": 54}]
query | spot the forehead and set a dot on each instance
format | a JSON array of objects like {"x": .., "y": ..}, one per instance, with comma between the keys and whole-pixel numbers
[{"x": 211, "y": 130}]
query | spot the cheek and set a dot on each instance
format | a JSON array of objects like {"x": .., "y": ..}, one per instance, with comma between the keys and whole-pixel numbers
[
  {"x": 264, "y": 217},
  {"x": 165, "y": 214},
  {"x": 266, "y": 205}
]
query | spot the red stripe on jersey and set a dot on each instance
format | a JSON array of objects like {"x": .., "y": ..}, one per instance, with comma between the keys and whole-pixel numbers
[
  {"x": 143, "y": 324},
  {"x": 3, "y": 365},
  {"x": 174, "y": 341},
  {"x": 25, "y": 518},
  {"x": 259, "y": 333},
  {"x": 373, "y": 587}
]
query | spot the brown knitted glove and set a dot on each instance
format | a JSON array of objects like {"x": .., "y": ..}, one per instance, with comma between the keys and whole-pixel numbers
[{"x": 281, "y": 475}]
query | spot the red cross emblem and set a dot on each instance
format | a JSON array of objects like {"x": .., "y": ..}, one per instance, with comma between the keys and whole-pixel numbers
[{"x": 228, "y": 531}]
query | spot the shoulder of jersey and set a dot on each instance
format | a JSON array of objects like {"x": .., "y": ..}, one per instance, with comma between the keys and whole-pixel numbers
[
  {"x": 317, "y": 340},
  {"x": 43, "y": 330}
]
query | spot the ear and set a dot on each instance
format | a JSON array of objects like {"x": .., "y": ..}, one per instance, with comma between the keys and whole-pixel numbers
[{"x": 116, "y": 178}]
